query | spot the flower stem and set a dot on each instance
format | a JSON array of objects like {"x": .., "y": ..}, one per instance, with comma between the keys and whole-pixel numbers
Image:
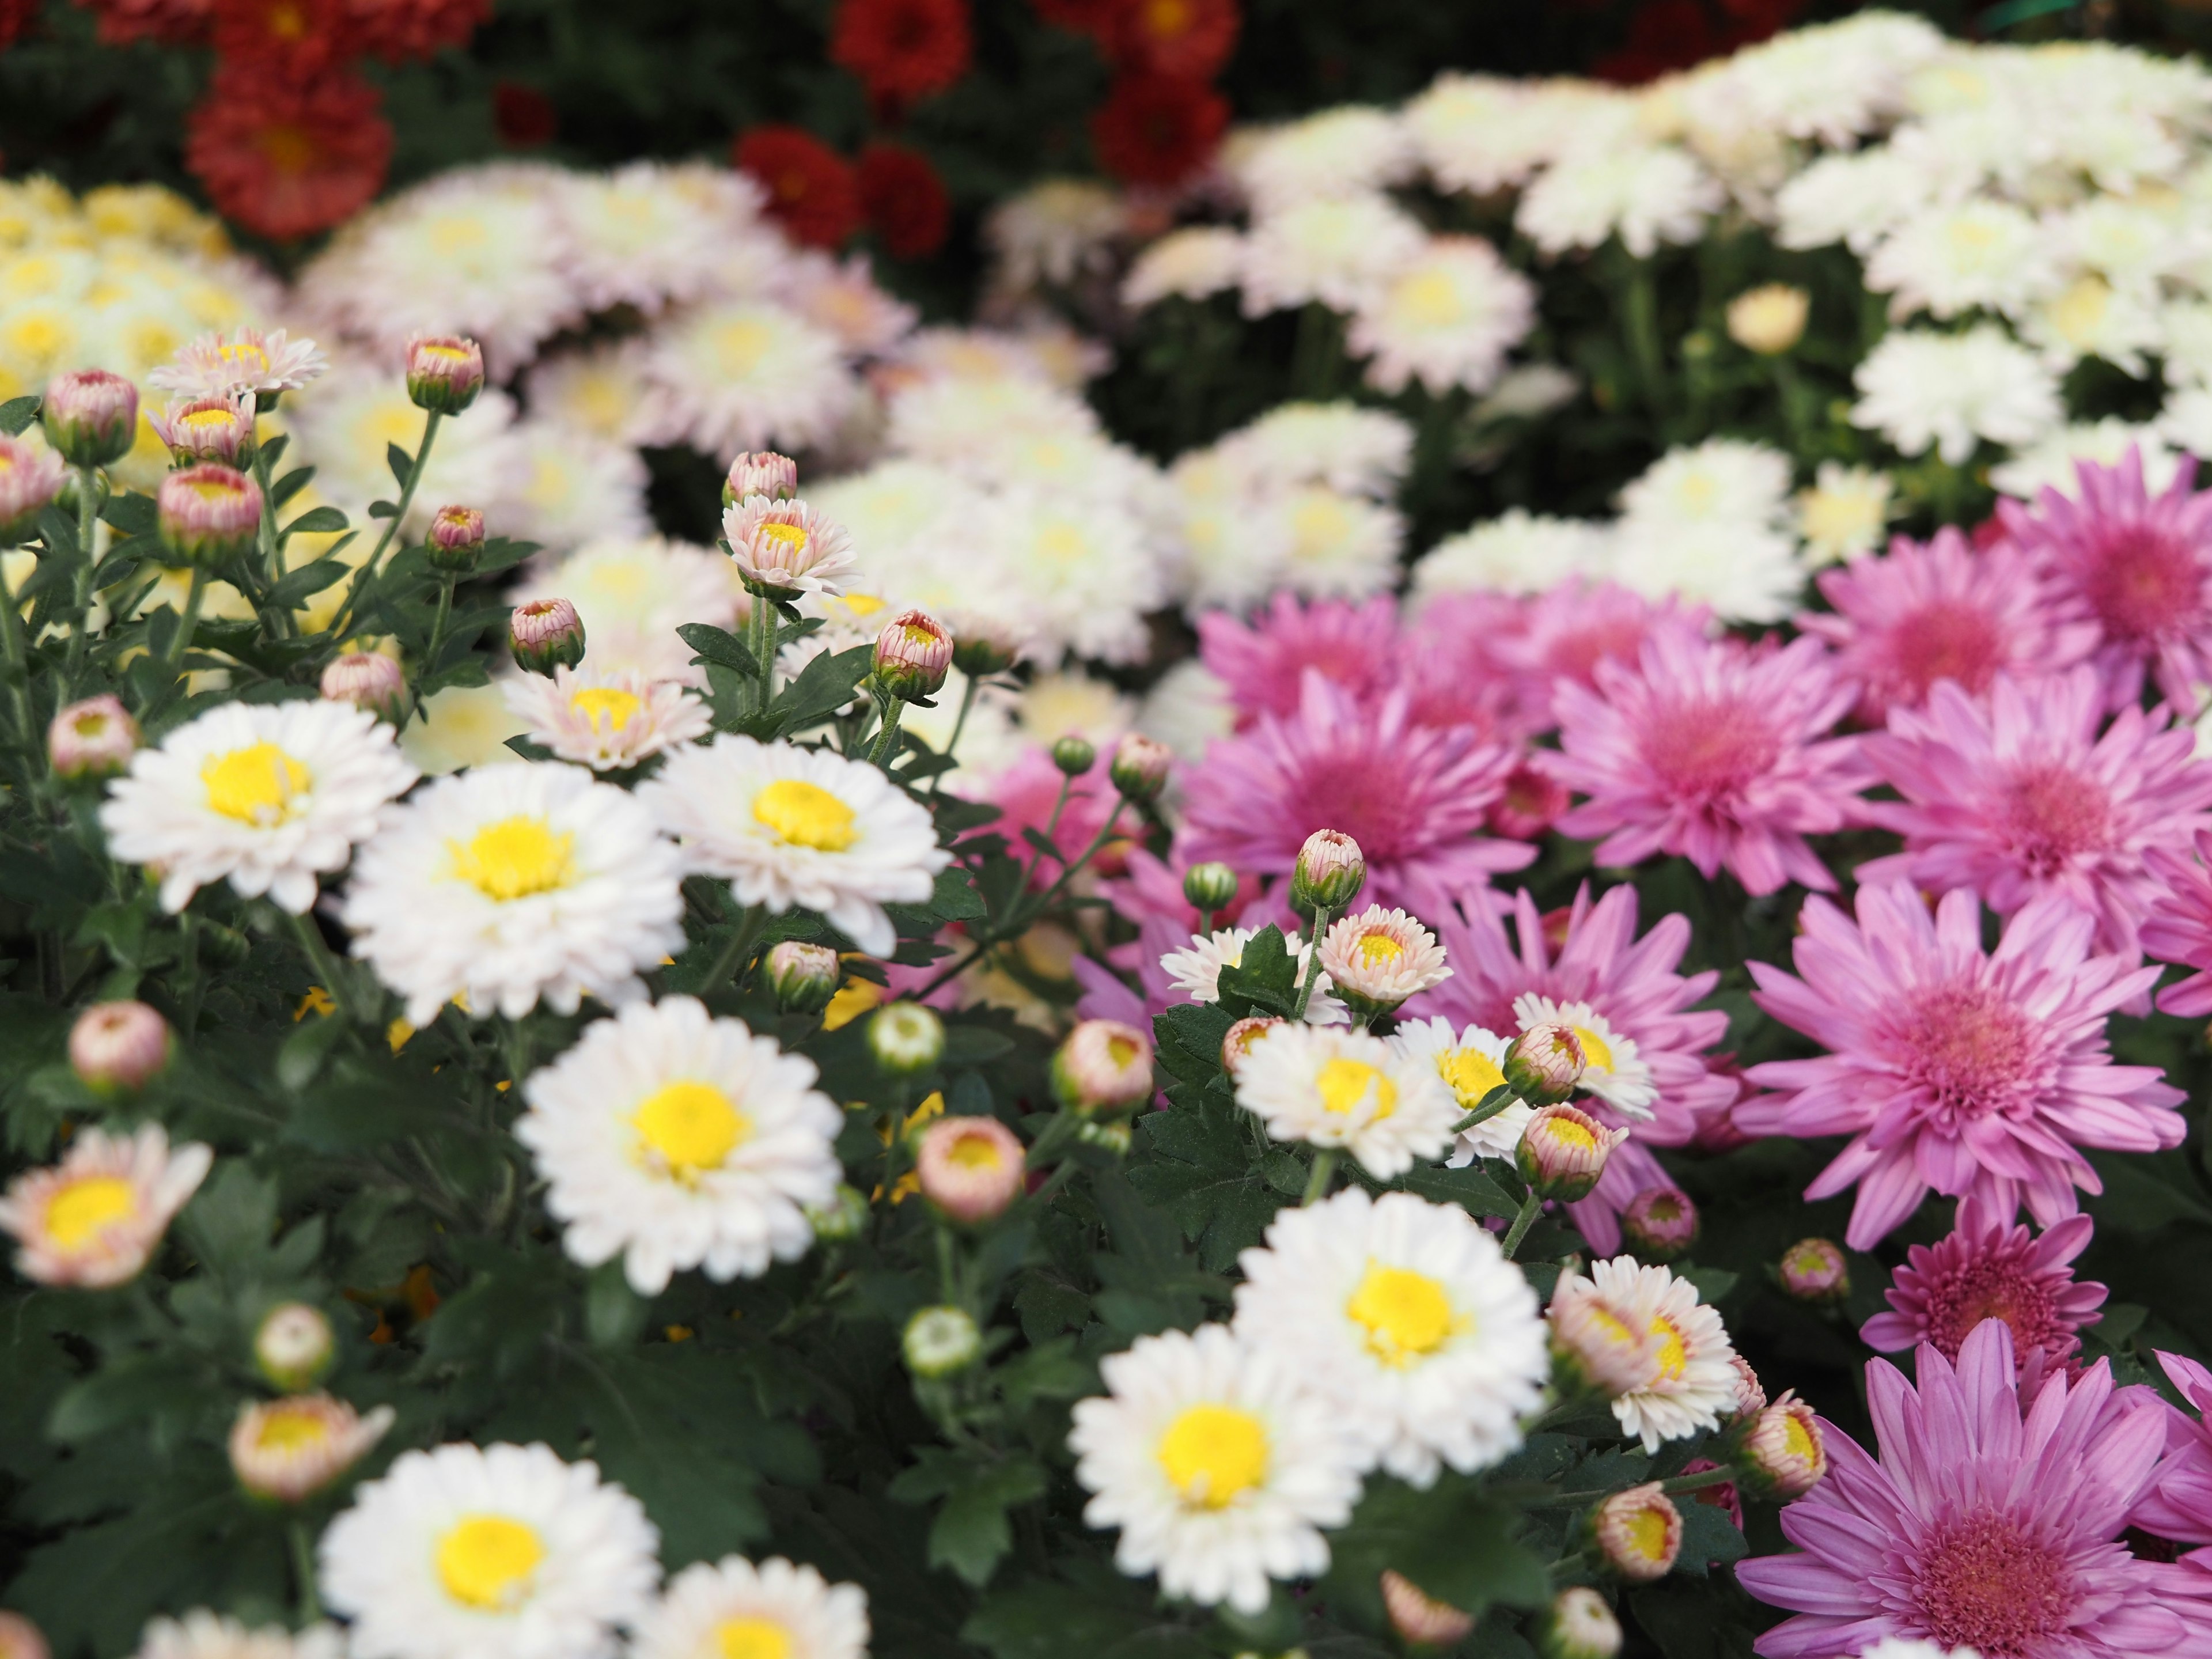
[
  {"x": 959, "y": 725},
  {"x": 87, "y": 518},
  {"x": 762, "y": 625},
  {"x": 885, "y": 739},
  {"x": 735, "y": 953},
  {"x": 1530, "y": 1206},
  {"x": 303, "y": 1573},
  {"x": 1323, "y": 916},
  {"x": 437, "y": 646},
  {"x": 15, "y": 654},
  {"x": 1324, "y": 1172},
  {"x": 319, "y": 958},
  {"x": 354, "y": 594},
  {"x": 193, "y": 597}
]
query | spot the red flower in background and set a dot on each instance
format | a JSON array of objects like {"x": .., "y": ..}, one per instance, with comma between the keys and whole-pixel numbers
[
  {"x": 15, "y": 16},
  {"x": 812, "y": 190},
  {"x": 398, "y": 31},
  {"x": 902, "y": 49},
  {"x": 288, "y": 39},
  {"x": 1157, "y": 129},
  {"x": 284, "y": 158},
  {"x": 905, "y": 200},
  {"x": 1177, "y": 37},
  {"x": 524, "y": 117},
  {"x": 177, "y": 22},
  {"x": 1666, "y": 35}
]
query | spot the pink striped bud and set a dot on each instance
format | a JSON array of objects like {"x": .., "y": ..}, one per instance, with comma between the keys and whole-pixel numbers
[
  {"x": 93, "y": 739},
  {"x": 457, "y": 537},
  {"x": 91, "y": 416},
  {"x": 1750, "y": 1395},
  {"x": 1105, "y": 1068},
  {"x": 1660, "y": 1223},
  {"x": 369, "y": 680},
  {"x": 545, "y": 635},
  {"x": 31, "y": 478},
  {"x": 445, "y": 372},
  {"x": 1563, "y": 1152},
  {"x": 764, "y": 473},
  {"x": 1420, "y": 1618},
  {"x": 1814, "y": 1270},
  {"x": 912, "y": 654},
  {"x": 1544, "y": 1063},
  {"x": 208, "y": 515},
  {"x": 1781, "y": 1453},
  {"x": 1578, "y": 1625},
  {"x": 214, "y": 428},
  {"x": 1236, "y": 1041},
  {"x": 970, "y": 1168},
  {"x": 118, "y": 1047},
  {"x": 1638, "y": 1532},
  {"x": 983, "y": 645},
  {"x": 1329, "y": 872}
]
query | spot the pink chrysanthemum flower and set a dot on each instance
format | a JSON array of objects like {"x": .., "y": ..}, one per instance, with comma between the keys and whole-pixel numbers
[
  {"x": 2139, "y": 565},
  {"x": 1715, "y": 751},
  {"x": 1414, "y": 797},
  {"x": 2179, "y": 1505},
  {"x": 1026, "y": 793},
  {"x": 1451, "y": 664},
  {"x": 1951, "y": 1069},
  {"x": 1624, "y": 993},
  {"x": 1991, "y": 1521},
  {"x": 1991, "y": 1267},
  {"x": 2017, "y": 795},
  {"x": 1262, "y": 662},
  {"x": 1570, "y": 630},
  {"x": 2180, "y": 929},
  {"x": 1939, "y": 610}
]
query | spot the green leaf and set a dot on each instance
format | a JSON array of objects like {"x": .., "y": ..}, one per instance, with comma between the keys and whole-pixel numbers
[
  {"x": 719, "y": 647},
  {"x": 295, "y": 587},
  {"x": 131, "y": 513},
  {"x": 232, "y": 1217},
  {"x": 975, "y": 1045},
  {"x": 1457, "y": 1544},
  {"x": 1264, "y": 980},
  {"x": 955, "y": 898},
  {"x": 2145, "y": 1191},
  {"x": 304, "y": 1051},
  {"x": 402, "y": 464},
  {"x": 970, "y": 1534},
  {"x": 1469, "y": 1186},
  {"x": 290, "y": 484},
  {"x": 17, "y": 414},
  {"x": 317, "y": 521},
  {"x": 614, "y": 1314},
  {"x": 823, "y": 686},
  {"x": 1710, "y": 1539}
]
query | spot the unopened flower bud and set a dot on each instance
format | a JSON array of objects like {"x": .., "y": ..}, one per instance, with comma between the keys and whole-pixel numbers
[
  {"x": 939, "y": 1341},
  {"x": 287, "y": 1450},
  {"x": 212, "y": 428},
  {"x": 21, "y": 1639},
  {"x": 208, "y": 515},
  {"x": 1104, "y": 1068},
  {"x": 1420, "y": 1618},
  {"x": 1750, "y": 1396},
  {"x": 1722, "y": 1495},
  {"x": 1074, "y": 755},
  {"x": 1660, "y": 1223},
  {"x": 983, "y": 647},
  {"x": 445, "y": 372},
  {"x": 93, "y": 739},
  {"x": 1578, "y": 1625},
  {"x": 1781, "y": 1453},
  {"x": 765, "y": 473},
  {"x": 803, "y": 976},
  {"x": 906, "y": 1038},
  {"x": 545, "y": 635},
  {"x": 367, "y": 679},
  {"x": 118, "y": 1047},
  {"x": 91, "y": 416},
  {"x": 912, "y": 654},
  {"x": 1379, "y": 958},
  {"x": 1140, "y": 767},
  {"x": 1329, "y": 872},
  {"x": 456, "y": 539},
  {"x": 842, "y": 1218},
  {"x": 1530, "y": 802},
  {"x": 294, "y": 1346},
  {"x": 1600, "y": 1346},
  {"x": 1769, "y": 318},
  {"x": 1236, "y": 1041},
  {"x": 1814, "y": 1270},
  {"x": 1563, "y": 1152},
  {"x": 1209, "y": 887},
  {"x": 1544, "y": 1063},
  {"x": 1638, "y": 1532},
  {"x": 31, "y": 478},
  {"x": 970, "y": 1168}
]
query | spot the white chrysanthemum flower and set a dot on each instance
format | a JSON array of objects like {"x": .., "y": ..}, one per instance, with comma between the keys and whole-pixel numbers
[
  {"x": 2186, "y": 344},
  {"x": 746, "y": 374},
  {"x": 1193, "y": 264},
  {"x": 2089, "y": 317},
  {"x": 736, "y": 1610},
  {"x": 1233, "y": 536},
  {"x": 1855, "y": 198},
  {"x": 1056, "y": 230},
  {"x": 1697, "y": 1381},
  {"x": 95, "y": 1218},
  {"x": 946, "y": 419},
  {"x": 1612, "y": 1069},
  {"x": 1331, "y": 250},
  {"x": 788, "y": 547},
  {"x": 842, "y": 296},
  {"x": 571, "y": 488},
  {"x": 1736, "y": 556},
  {"x": 1037, "y": 353},
  {"x": 1188, "y": 708},
  {"x": 1845, "y": 512},
  {"x": 1833, "y": 82},
  {"x": 1087, "y": 572},
  {"x": 2186, "y": 420},
  {"x": 1379, "y": 958},
  {"x": 2137, "y": 245},
  {"x": 800, "y": 829},
  {"x": 2049, "y": 463},
  {"x": 1447, "y": 319},
  {"x": 633, "y": 595},
  {"x": 249, "y": 360},
  {"x": 1074, "y": 704},
  {"x": 1352, "y": 150},
  {"x": 601, "y": 391},
  {"x": 676, "y": 1140},
  {"x": 1406, "y": 1317},
  {"x": 1482, "y": 134},
  {"x": 1216, "y": 1463},
  {"x": 1195, "y": 970},
  {"x": 1922, "y": 390},
  {"x": 651, "y": 233},
  {"x": 511, "y": 884},
  {"x": 1339, "y": 1088},
  {"x": 201, "y": 1634},
  {"x": 1974, "y": 255},
  {"x": 270, "y": 796},
  {"x": 1472, "y": 1062},
  {"x": 1520, "y": 552},
  {"x": 493, "y": 1553},
  {"x": 606, "y": 719},
  {"x": 1645, "y": 194},
  {"x": 1348, "y": 447},
  {"x": 1341, "y": 546},
  {"x": 1723, "y": 481},
  {"x": 345, "y": 423},
  {"x": 460, "y": 726}
]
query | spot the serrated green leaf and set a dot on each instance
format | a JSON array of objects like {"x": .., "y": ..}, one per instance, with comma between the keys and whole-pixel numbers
[
  {"x": 17, "y": 414},
  {"x": 719, "y": 647}
]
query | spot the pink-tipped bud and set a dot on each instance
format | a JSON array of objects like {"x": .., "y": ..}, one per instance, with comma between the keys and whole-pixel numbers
[
  {"x": 1236, "y": 1041},
  {"x": 1140, "y": 767},
  {"x": 1532, "y": 801},
  {"x": 1660, "y": 1223},
  {"x": 912, "y": 654},
  {"x": 208, "y": 515},
  {"x": 31, "y": 479},
  {"x": 118, "y": 1047},
  {"x": 970, "y": 1168},
  {"x": 456, "y": 539},
  {"x": 445, "y": 372},
  {"x": 91, "y": 416},
  {"x": 1544, "y": 1063},
  {"x": 1578, "y": 1625},
  {"x": 294, "y": 1346},
  {"x": 545, "y": 635},
  {"x": 1420, "y": 1618},
  {"x": 21, "y": 1639},
  {"x": 984, "y": 646},
  {"x": 1379, "y": 958},
  {"x": 1563, "y": 1152},
  {"x": 287, "y": 1450},
  {"x": 1074, "y": 755},
  {"x": 1329, "y": 872},
  {"x": 93, "y": 739},
  {"x": 1781, "y": 1453},
  {"x": 1104, "y": 1068},
  {"x": 1814, "y": 1270},
  {"x": 1601, "y": 1345},
  {"x": 1750, "y": 1395},
  {"x": 803, "y": 976},
  {"x": 766, "y": 473},
  {"x": 212, "y": 428},
  {"x": 1638, "y": 1532},
  {"x": 369, "y": 680}
]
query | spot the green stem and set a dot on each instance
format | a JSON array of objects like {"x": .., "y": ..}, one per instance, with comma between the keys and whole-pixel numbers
[
  {"x": 15, "y": 661},
  {"x": 1530, "y": 1206},
  {"x": 437, "y": 644},
  {"x": 1698, "y": 1481},
  {"x": 360, "y": 588},
  {"x": 277, "y": 622},
  {"x": 1642, "y": 319},
  {"x": 1322, "y": 915},
  {"x": 1489, "y": 1108},
  {"x": 894, "y": 708},
  {"x": 1021, "y": 914},
  {"x": 319, "y": 959},
  {"x": 948, "y": 1276},
  {"x": 193, "y": 598},
  {"x": 739, "y": 950},
  {"x": 87, "y": 518},
  {"x": 1324, "y": 1172},
  {"x": 303, "y": 1571},
  {"x": 1790, "y": 392},
  {"x": 761, "y": 622},
  {"x": 959, "y": 725}
]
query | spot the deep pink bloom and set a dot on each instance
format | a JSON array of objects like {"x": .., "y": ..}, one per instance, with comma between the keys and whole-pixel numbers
[
  {"x": 1713, "y": 749},
  {"x": 1262, "y": 662},
  {"x": 1991, "y": 1520},
  {"x": 1569, "y": 629},
  {"x": 2016, "y": 796},
  {"x": 2139, "y": 565},
  {"x": 1724, "y": 1498},
  {"x": 1952, "y": 1069},
  {"x": 1657, "y": 1035},
  {"x": 1453, "y": 668},
  {"x": 1414, "y": 797},
  {"x": 2178, "y": 1506},
  {"x": 2180, "y": 928},
  {"x": 1150, "y": 894},
  {"x": 1940, "y": 610},
  {"x": 1991, "y": 1267},
  {"x": 1024, "y": 793}
]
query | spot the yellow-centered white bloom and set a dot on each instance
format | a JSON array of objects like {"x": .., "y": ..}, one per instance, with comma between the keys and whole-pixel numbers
[
  {"x": 1697, "y": 1376},
  {"x": 746, "y": 374},
  {"x": 1472, "y": 1062},
  {"x": 1196, "y": 970},
  {"x": 1518, "y": 552},
  {"x": 1343, "y": 1088},
  {"x": 494, "y": 1553},
  {"x": 734, "y": 1609},
  {"x": 201, "y": 1634},
  {"x": 1380, "y": 957},
  {"x": 462, "y": 725},
  {"x": 1339, "y": 252},
  {"x": 606, "y": 719},
  {"x": 1844, "y": 513},
  {"x": 1191, "y": 263},
  {"x": 1446, "y": 319},
  {"x": 1407, "y": 1316},
  {"x": 96, "y": 1216},
  {"x": 290, "y": 1448},
  {"x": 678, "y": 1140},
  {"x": 1611, "y": 1068}
]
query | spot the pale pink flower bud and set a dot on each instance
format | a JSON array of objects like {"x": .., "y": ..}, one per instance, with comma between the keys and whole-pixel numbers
[
  {"x": 970, "y": 1168},
  {"x": 294, "y": 1346},
  {"x": 1329, "y": 872},
  {"x": 912, "y": 654},
  {"x": 367, "y": 679},
  {"x": 93, "y": 739},
  {"x": 1530, "y": 803},
  {"x": 766, "y": 473},
  {"x": 1562, "y": 1152},
  {"x": 1750, "y": 1396},
  {"x": 1103, "y": 1068},
  {"x": 290, "y": 1450},
  {"x": 803, "y": 976},
  {"x": 1814, "y": 1270},
  {"x": 1544, "y": 1063},
  {"x": 31, "y": 478},
  {"x": 1140, "y": 769},
  {"x": 1420, "y": 1618},
  {"x": 1379, "y": 958},
  {"x": 208, "y": 515},
  {"x": 91, "y": 416},
  {"x": 984, "y": 646},
  {"x": 457, "y": 537},
  {"x": 118, "y": 1047},
  {"x": 1578, "y": 1625},
  {"x": 21, "y": 1639},
  {"x": 1638, "y": 1532},
  {"x": 214, "y": 428},
  {"x": 1781, "y": 1453},
  {"x": 95, "y": 1218},
  {"x": 545, "y": 635},
  {"x": 784, "y": 548},
  {"x": 1601, "y": 1345},
  {"x": 445, "y": 372},
  {"x": 1660, "y": 1223},
  {"x": 1236, "y": 1041}
]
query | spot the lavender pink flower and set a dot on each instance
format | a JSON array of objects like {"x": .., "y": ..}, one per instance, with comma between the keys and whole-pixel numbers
[
  {"x": 2179, "y": 1505},
  {"x": 1990, "y": 1268},
  {"x": 1568, "y": 630},
  {"x": 1452, "y": 666},
  {"x": 1263, "y": 662},
  {"x": 2180, "y": 929}
]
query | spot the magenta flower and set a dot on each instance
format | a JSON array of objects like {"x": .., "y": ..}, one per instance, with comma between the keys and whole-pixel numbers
[
  {"x": 1262, "y": 662},
  {"x": 1991, "y": 1520},
  {"x": 1713, "y": 749},
  {"x": 2178, "y": 1506},
  {"x": 2139, "y": 565},
  {"x": 1025, "y": 793},
  {"x": 1990, "y": 1268},
  {"x": 1451, "y": 664},
  {"x": 1951, "y": 1069},
  {"x": 1414, "y": 797},
  {"x": 2017, "y": 796},
  {"x": 1641, "y": 1033},
  {"x": 1940, "y": 610},
  {"x": 1571, "y": 628},
  {"x": 2180, "y": 928}
]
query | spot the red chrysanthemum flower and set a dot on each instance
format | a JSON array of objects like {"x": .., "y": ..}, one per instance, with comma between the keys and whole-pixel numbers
[
  {"x": 524, "y": 117},
  {"x": 286, "y": 159},
  {"x": 1177, "y": 37},
  {"x": 904, "y": 200},
  {"x": 402, "y": 31},
  {"x": 813, "y": 191},
  {"x": 902, "y": 49},
  {"x": 173, "y": 23},
  {"x": 15, "y": 16},
  {"x": 1157, "y": 129},
  {"x": 284, "y": 39}
]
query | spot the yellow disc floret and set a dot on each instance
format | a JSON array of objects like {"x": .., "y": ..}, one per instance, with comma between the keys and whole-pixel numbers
[
  {"x": 515, "y": 858},
  {"x": 1213, "y": 1455},
  {"x": 255, "y": 785},
  {"x": 84, "y": 1209},
  {"x": 487, "y": 1560},
  {"x": 688, "y": 1125},
  {"x": 1405, "y": 1314},
  {"x": 1344, "y": 1084},
  {"x": 804, "y": 815},
  {"x": 606, "y": 708},
  {"x": 752, "y": 1638}
]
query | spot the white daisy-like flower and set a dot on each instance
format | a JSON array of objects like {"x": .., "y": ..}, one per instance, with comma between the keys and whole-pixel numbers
[
  {"x": 800, "y": 829},
  {"x": 1855, "y": 199},
  {"x": 1472, "y": 1062},
  {"x": 1846, "y": 511},
  {"x": 201, "y": 1634},
  {"x": 788, "y": 547},
  {"x": 345, "y": 423},
  {"x": 1352, "y": 150},
  {"x": 1921, "y": 390},
  {"x": 1697, "y": 1379},
  {"x": 1074, "y": 704},
  {"x": 2050, "y": 463},
  {"x": 1447, "y": 319},
  {"x": 571, "y": 488},
  {"x": 1218, "y": 1464},
  {"x": 270, "y": 796},
  {"x": 2090, "y": 318},
  {"x": 747, "y": 374},
  {"x": 842, "y": 296},
  {"x": 2137, "y": 244},
  {"x": 1086, "y": 571},
  {"x": 1408, "y": 1318},
  {"x": 493, "y": 1552},
  {"x": 1833, "y": 82},
  {"x": 1341, "y": 546},
  {"x": 96, "y": 1216},
  {"x": 1723, "y": 481},
  {"x": 1520, "y": 552},
  {"x": 633, "y": 595},
  {"x": 1744, "y": 572},
  {"x": 1188, "y": 708},
  {"x": 734, "y": 1609},
  {"x": 1193, "y": 263},
  {"x": 217, "y": 365},
  {"x": 1339, "y": 1088},
  {"x": 606, "y": 719},
  {"x": 1645, "y": 194},
  {"x": 511, "y": 884},
  {"x": 1611, "y": 1068},
  {"x": 1056, "y": 230},
  {"x": 651, "y": 233},
  {"x": 1973, "y": 255},
  {"x": 460, "y": 726},
  {"x": 1380, "y": 957},
  {"x": 1232, "y": 534},
  {"x": 676, "y": 1140},
  {"x": 1344, "y": 446},
  {"x": 2185, "y": 343},
  {"x": 1332, "y": 250},
  {"x": 1482, "y": 134},
  {"x": 2186, "y": 419},
  {"x": 946, "y": 418},
  {"x": 1195, "y": 970},
  {"x": 601, "y": 390}
]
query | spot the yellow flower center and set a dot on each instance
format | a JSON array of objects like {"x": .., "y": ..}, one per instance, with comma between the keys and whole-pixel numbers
[
  {"x": 1674, "y": 1355},
  {"x": 738, "y": 347},
  {"x": 255, "y": 785},
  {"x": 1213, "y": 1455},
  {"x": 1122, "y": 1051},
  {"x": 514, "y": 858},
  {"x": 486, "y": 1561},
  {"x": 1568, "y": 1132},
  {"x": 2079, "y": 314},
  {"x": 1470, "y": 1074},
  {"x": 804, "y": 815},
  {"x": 86, "y": 1208},
  {"x": 973, "y": 1153},
  {"x": 290, "y": 1429},
  {"x": 791, "y": 536},
  {"x": 1378, "y": 950},
  {"x": 1344, "y": 1083},
  {"x": 865, "y": 605},
  {"x": 1647, "y": 1534},
  {"x": 1797, "y": 1439},
  {"x": 244, "y": 354},
  {"x": 1610, "y": 1326},
  {"x": 605, "y": 708},
  {"x": 1597, "y": 1053},
  {"x": 213, "y": 490},
  {"x": 1430, "y": 299},
  {"x": 752, "y": 1638},
  {"x": 445, "y": 356},
  {"x": 1406, "y": 1314},
  {"x": 201, "y": 419},
  {"x": 689, "y": 1126}
]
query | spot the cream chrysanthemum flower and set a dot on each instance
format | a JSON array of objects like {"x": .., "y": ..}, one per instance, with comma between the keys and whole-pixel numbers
[
  {"x": 201, "y": 1634},
  {"x": 734, "y": 1609},
  {"x": 607, "y": 719},
  {"x": 498, "y": 1552},
  {"x": 601, "y": 391},
  {"x": 1472, "y": 1062},
  {"x": 788, "y": 548},
  {"x": 651, "y": 233},
  {"x": 1923, "y": 390},
  {"x": 290, "y": 1448},
  {"x": 570, "y": 487},
  {"x": 677, "y": 1140},
  {"x": 1446, "y": 319},
  {"x": 1346, "y": 446},
  {"x": 249, "y": 360},
  {"x": 513, "y": 883},
  {"x": 1352, "y": 150},
  {"x": 460, "y": 726},
  {"x": 1408, "y": 1318},
  {"x": 1380, "y": 957},
  {"x": 1196, "y": 968},
  {"x": 95, "y": 1218},
  {"x": 1191, "y": 263},
  {"x": 1645, "y": 194},
  {"x": 1952, "y": 258},
  {"x": 1520, "y": 552},
  {"x": 1697, "y": 1379},
  {"x": 1339, "y": 252},
  {"x": 1344, "y": 1089},
  {"x": 1218, "y": 1465},
  {"x": 800, "y": 829},
  {"x": 1846, "y": 511},
  {"x": 746, "y": 374},
  {"x": 1611, "y": 1068},
  {"x": 270, "y": 796}
]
